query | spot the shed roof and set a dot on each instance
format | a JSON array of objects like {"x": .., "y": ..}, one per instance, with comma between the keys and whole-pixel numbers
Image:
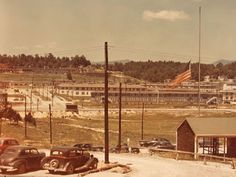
[{"x": 213, "y": 126}]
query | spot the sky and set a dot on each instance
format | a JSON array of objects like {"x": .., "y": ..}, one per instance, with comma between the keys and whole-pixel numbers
[{"x": 134, "y": 29}]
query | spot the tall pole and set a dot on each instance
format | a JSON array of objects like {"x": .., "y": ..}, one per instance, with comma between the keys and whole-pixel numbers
[
  {"x": 199, "y": 63},
  {"x": 25, "y": 120},
  {"x": 106, "y": 130},
  {"x": 142, "y": 122},
  {"x": 52, "y": 91},
  {"x": 119, "y": 140},
  {"x": 31, "y": 94},
  {"x": 0, "y": 126},
  {"x": 50, "y": 123}
]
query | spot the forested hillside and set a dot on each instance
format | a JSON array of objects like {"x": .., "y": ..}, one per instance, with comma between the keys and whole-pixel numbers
[
  {"x": 48, "y": 61},
  {"x": 159, "y": 71},
  {"x": 153, "y": 71}
]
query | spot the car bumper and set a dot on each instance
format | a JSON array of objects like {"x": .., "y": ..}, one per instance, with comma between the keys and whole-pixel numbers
[
  {"x": 47, "y": 167},
  {"x": 8, "y": 168}
]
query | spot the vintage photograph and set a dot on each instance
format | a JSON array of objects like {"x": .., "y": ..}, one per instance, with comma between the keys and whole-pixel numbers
[{"x": 118, "y": 88}]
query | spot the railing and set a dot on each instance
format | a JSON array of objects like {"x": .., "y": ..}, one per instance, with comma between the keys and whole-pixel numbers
[{"x": 184, "y": 155}]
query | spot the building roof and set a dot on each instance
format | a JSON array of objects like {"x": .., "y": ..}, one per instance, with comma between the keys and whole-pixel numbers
[{"x": 213, "y": 126}]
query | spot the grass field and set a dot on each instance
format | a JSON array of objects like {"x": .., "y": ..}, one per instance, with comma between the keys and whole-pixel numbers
[{"x": 90, "y": 130}]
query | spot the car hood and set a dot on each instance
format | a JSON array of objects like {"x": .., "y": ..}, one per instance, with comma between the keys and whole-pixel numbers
[{"x": 5, "y": 159}]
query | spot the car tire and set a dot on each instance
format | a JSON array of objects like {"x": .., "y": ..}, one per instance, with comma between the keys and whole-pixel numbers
[
  {"x": 70, "y": 169},
  {"x": 21, "y": 168},
  {"x": 95, "y": 165},
  {"x": 51, "y": 171}
]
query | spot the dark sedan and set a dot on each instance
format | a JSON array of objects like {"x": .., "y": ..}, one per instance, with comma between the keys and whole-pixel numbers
[
  {"x": 20, "y": 159},
  {"x": 68, "y": 160}
]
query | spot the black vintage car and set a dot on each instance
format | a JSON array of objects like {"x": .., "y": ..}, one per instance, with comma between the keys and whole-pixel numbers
[
  {"x": 68, "y": 160},
  {"x": 20, "y": 159}
]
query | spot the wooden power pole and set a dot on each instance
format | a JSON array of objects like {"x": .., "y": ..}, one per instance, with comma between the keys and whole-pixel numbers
[
  {"x": 142, "y": 122},
  {"x": 199, "y": 64},
  {"x": 119, "y": 139},
  {"x": 50, "y": 124},
  {"x": 106, "y": 129},
  {"x": 25, "y": 120}
]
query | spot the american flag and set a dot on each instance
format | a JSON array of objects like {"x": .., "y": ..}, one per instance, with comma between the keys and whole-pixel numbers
[{"x": 186, "y": 75}]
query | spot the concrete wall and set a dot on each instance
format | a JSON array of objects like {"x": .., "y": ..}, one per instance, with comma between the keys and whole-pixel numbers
[{"x": 185, "y": 138}]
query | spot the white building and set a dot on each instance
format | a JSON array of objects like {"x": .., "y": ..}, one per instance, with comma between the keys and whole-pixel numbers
[{"x": 229, "y": 93}]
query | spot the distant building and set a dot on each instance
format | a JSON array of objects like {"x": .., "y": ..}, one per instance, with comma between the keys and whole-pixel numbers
[
  {"x": 229, "y": 93},
  {"x": 130, "y": 93}
]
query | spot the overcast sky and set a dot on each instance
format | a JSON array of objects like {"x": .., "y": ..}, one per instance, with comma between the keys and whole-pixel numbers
[{"x": 134, "y": 29}]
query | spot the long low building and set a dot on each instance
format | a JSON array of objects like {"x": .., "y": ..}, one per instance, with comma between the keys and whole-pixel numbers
[
  {"x": 135, "y": 93},
  {"x": 130, "y": 93}
]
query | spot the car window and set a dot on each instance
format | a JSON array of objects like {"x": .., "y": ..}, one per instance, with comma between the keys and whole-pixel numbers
[
  {"x": 6, "y": 142},
  {"x": 56, "y": 153},
  {"x": 13, "y": 142},
  {"x": 25, "y": 152},
  {"x": 72, "y": 153},
  {"x": 1, "y": 142},
  {"x": 33, "y": 151}
]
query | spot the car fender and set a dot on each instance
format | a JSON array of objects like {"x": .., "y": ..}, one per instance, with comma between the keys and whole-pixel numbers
[
  {"x": 18, "y": 162},
  {"x": 44, "y": 160},
  {"x": 67, "y": 164}
]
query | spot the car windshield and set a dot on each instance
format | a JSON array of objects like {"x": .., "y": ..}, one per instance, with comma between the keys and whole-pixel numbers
[
  {"x": 1, "y": 142},
  {"x": 56, "y": 152}
]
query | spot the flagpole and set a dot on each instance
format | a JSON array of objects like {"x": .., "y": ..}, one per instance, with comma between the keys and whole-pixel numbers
[{"x": 199, "y": 63}]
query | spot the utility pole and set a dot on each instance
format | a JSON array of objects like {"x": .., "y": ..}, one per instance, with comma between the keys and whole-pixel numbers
[
  {"x": 31, "y": 94},
  {"x": 0, "y": 126},
  {"x": 142, "y": 122},
  {"x": 52, "y": 91},
  {"x": 25, "y": 120},
  {"x": 199, "y": 63},
  {"x": 50, "y": 124},
  {"x": 119, "y": 140},
  {"x": 106, "y": 129}
]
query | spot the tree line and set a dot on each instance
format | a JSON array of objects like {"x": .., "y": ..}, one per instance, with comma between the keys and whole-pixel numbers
[
  {"x": 47, "y": 61},
  {"x": 159, "y": 71},
  {"x": 153, "y": 71}
]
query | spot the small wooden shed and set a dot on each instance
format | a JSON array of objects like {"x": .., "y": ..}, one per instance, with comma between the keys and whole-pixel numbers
[{"x": 216, "y": 136}]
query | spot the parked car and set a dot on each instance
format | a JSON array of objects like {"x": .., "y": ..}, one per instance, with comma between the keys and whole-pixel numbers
[
  {"x": 158, "y": 143},
  {"x": 6, "y": 142},
  {"x": 20, "y": 159},
  {"x": 135, "y": 150},
  {"x": 164, "y": 145},
  {"x": 84, "y": 147},
  {"x": 144, "y": 143},
  {"x": 68, "y": 160},
  {"x": 97, "y": 148},
  {"x": 123, "y": 149}
]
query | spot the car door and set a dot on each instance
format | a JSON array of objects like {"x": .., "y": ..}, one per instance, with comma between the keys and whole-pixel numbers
[{"x": 35, "y": 158}]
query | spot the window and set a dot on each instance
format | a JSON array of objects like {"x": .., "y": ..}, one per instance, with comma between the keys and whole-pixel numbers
[
  {"x": 33, "y": 151},
  {"x": 56, "y": 153},
  {"x": 72, "y": 153},
  {"x": 13, "y": 142}
]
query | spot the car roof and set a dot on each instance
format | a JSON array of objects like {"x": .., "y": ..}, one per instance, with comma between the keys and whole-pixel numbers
[{"x": 20, "y": 147}]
